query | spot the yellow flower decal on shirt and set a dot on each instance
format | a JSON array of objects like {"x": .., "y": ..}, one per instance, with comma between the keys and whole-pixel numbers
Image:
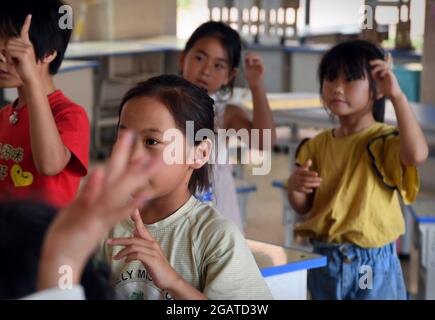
[{"x": 21, "y": 178}]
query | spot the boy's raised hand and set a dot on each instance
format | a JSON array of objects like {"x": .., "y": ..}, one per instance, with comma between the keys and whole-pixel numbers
[
  {"x": 254, "y": 69},
  {"x": 144, "y": 248},
  {"x": 386, "y": 80},
  {"x": 20, "y": 52},
  {"x": 303, "y": 180}
]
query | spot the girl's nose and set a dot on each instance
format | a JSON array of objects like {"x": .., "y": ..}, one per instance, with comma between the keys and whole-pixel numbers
[
  {"x": 206, "y": 69},
  {"x": 338, "y": 86}
]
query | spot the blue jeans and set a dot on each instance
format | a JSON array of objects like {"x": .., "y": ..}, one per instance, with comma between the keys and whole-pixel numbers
[{"x": 357, "y": 273}]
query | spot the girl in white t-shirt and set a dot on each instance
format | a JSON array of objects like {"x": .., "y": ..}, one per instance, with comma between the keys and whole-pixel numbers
[
  {"x": 177, "y": 247},
  {"x": 211, "y": 60}
]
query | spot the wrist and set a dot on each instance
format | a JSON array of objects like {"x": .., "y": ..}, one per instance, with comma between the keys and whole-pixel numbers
[
  {"x": 32, "y": 82},
  {"x": 398, "y": 97},
  {"x": 176, "y": 285},
  {"x": 256, "y": 86}
]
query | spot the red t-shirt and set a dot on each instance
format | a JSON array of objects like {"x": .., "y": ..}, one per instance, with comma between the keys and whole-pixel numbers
[{"x": 19, "y": 178}]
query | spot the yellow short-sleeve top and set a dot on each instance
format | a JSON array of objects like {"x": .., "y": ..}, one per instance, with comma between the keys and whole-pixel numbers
[{"x": 357, "y": 201}]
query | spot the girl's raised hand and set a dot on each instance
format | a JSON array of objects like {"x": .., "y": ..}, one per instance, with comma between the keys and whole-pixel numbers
[
  {"x": 254, "y": 69},
  {"x": 303, "y": 180},
  {"x": 144, "y": 248},
  {"x": 386, "y": 80}
]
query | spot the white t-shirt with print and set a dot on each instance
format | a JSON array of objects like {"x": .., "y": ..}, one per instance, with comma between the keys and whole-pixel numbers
[{"x": 205, "y": 248}]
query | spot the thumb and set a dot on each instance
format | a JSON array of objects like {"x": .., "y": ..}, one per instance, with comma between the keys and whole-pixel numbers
[{"x": 307, "y": 164}]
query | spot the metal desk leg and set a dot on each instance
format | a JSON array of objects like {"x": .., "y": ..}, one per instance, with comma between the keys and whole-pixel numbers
[
  {"x": 406, "y": 239},
  {"x": 288, "y": 219},
  {"x": 243, "y": 199}
]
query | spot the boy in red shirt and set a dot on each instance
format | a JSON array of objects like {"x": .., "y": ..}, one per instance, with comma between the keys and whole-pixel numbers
[{"x": 44, "y": 137}]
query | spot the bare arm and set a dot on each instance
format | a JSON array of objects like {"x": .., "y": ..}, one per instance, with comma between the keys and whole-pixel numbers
[
  {"x": 262, "y": 114},
  {"x": 413, "y": 146},
  {"x": 49, "y": 153}
]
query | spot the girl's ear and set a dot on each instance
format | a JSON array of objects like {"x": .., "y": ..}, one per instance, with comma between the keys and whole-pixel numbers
[
  {"x": 232, "y": 75},
  {"x": 202, "y": 154}
]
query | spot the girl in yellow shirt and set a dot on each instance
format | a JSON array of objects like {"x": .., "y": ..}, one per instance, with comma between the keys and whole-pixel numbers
[{"x": 348, "y": 179}]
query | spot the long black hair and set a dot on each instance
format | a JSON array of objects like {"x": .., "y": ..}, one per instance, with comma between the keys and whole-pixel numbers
[{"x": 352, "y": 58}]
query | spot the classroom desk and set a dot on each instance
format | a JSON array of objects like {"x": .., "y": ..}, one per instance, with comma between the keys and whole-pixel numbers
[
  {"x": 285, "y": 269},
  {"x": 423, "y": 212}
]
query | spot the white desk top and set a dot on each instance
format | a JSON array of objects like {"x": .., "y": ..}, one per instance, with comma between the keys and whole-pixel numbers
[{"x": 273, "y": 259}]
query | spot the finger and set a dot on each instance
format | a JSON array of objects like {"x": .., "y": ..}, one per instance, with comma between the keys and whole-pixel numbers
[
  {"x": 308, "y": 174},
  {"x": 377, "y": 62},
  {"x": 128, "y": 242},
  {"x": 123, "y": 195},
  {"x": 311, "y": 185},
  {"x": 305, "y": 190},
  {"x": 92, "y": 188},
  {"x": 130, "y": 250},
  {"x": 135, "y": 178},
  {"x": 140, "y": 227},
  {"x": 119, "y": 214},
  {"x": 248, "y": 61},
  {"x": 377, "y": 71},
  {"x": 389, "y": 59},
  {"x": 146, "y": 258},
  {"x": 24, "y": 35},
  {"x": 309, "y": 179},
  {"x": 120, "y": 156}
]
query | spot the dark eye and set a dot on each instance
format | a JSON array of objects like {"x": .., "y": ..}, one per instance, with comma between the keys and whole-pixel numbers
[
  {"x": 198, "y": 58},
  {"x": 151, "y": 142}
]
